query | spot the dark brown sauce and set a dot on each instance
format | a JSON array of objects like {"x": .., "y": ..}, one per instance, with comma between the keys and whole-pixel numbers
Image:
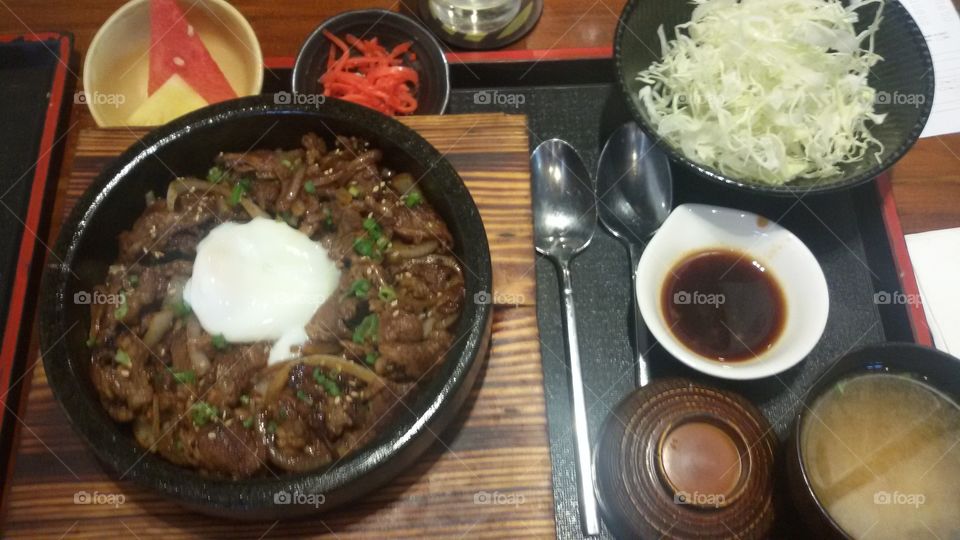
[{"x": 723, "y": 305}]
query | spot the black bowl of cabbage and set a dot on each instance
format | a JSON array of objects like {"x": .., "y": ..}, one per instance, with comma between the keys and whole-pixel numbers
[
  {"x": 903, "y": 81},
  {"x": 87, "y": 245}
]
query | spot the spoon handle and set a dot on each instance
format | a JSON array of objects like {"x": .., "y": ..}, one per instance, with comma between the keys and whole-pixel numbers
[
  {"x": 638, "y": 328},
  {"x": 588, "y": 501}
]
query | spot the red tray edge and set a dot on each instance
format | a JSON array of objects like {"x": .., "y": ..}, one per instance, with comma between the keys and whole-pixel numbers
[{"x": 13, "y": 330}]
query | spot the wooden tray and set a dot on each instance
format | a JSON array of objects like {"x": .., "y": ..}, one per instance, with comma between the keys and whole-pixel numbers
[{"x": 488, "y": 475}]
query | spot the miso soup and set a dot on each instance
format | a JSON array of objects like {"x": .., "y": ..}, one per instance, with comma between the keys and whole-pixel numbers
[{"x": 882, "y": 453}]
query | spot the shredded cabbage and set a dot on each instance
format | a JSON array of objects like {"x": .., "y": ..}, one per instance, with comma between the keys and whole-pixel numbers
[{"x": 767, "y": 90}]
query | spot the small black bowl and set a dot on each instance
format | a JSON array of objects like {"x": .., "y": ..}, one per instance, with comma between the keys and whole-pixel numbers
[
  {"x": 392, "y": 29},
  {"x": 934, "y": 368},
  {"x": 87, "y": 245},
  {"x": 906, "y": 70}
]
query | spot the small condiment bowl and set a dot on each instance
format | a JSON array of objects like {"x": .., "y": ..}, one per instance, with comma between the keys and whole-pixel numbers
[
  {"x": 391, "y": 29},
  {"x": 929, "y": 366},
  {"x": 117, "y": 64},
  {"x": 692, "y": 228}
]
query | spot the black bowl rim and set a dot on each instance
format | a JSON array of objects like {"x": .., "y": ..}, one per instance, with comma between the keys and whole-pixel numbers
[
  {"x": 301, "y": 70},
  {"x": 718, "y": 177},
  {"x": 913, "y": 351},
  {"x": 233, "y": 497}
]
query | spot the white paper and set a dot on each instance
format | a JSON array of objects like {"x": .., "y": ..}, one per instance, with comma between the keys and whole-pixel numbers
[
  {"x": 935, "y": 256},
  {"x": 940, "y": 25}
]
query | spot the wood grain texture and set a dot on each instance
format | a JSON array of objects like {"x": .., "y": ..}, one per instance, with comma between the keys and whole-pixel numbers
[{"x": 486, "y": 476}]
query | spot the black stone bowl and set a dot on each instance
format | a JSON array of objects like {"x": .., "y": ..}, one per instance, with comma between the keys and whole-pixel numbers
[
  {"x": 88, "y": 245},
  {"x": 903, "y": 80},
  {"x": 392, "y": 29},
  {"x": 934, "y": 368}
]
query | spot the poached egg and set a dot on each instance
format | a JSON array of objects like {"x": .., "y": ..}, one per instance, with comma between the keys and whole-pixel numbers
[{"x": 260, "y": 281}]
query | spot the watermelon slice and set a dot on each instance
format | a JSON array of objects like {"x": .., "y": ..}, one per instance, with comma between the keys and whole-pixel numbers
[{"x": 176, "y": 49}]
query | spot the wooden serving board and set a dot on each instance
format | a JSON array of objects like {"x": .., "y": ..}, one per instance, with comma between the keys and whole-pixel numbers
[{"x": 488, "y": 475}]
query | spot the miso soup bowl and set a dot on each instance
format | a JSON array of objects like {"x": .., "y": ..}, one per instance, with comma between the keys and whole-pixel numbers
[{"x": 934, "y": 368}]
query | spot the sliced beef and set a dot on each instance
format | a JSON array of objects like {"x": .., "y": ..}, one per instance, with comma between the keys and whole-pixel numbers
[{"x": 230, "y": 449}]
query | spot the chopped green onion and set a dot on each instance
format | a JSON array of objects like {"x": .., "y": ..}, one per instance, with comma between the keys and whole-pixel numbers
[
  {"x": 354, "y": 191},
  {"x": 359, "y": 288},
  {"x": 363, "y": 246},
  {"x": 328, "y": 220},
  {"x": 215, "y": 174},
  {"x": 133, "y": 279},
  {"x": 303, "y": 396},
  {"x": 123, "y": 358},
  {"x": 367, "y": 328},
  {"x": 122, "y": 309},
  {"x": 245, "y": 399},
  {"x": 371, "y": 358},
  {"x": 91, "y": 342},
  {"x": 383, "y": 242},
  {"x": 387, "y": 293},
  {"x": 185, "y": 377},
  {"x": 329, "y": 385},
  {"x": 202, "y": 412},
  {"x": 271, "y": 427},
  {"x": 239, "y": 189},
  {"x": 287, "y": 217},
  {"x": 413, "y": 199},
  {"x": 372, "y": 227},
  {"x": 309, "y": 187},
  {"x": 182, "y": 308},
  {"x": 219, "y": 342},
  {"x": 286, "y": 163},
  {"x": 248, "y": 422}
]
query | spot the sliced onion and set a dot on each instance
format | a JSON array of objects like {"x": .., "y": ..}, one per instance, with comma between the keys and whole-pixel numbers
[
  {"x": 298, "y": 463},
  {"x": 199, "y": 360},
  {"x": 278, "y": 379},
  {"x": 402, "y": 182},
  {"x": 252, "y": 208},
  {"x": 412, "y": 251},
  {"x": 181, "y": 185},
  {"x": 160, "y": 324},
  {"x": 446, "y": 322}
]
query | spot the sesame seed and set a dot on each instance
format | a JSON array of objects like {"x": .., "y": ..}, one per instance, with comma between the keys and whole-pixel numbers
[{"x": 212, "y": 435}]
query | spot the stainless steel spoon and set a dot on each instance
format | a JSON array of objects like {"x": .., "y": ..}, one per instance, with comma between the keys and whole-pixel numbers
[
  {"x": 565, "y": 218},
  {"x": 636, "y": 194}
]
